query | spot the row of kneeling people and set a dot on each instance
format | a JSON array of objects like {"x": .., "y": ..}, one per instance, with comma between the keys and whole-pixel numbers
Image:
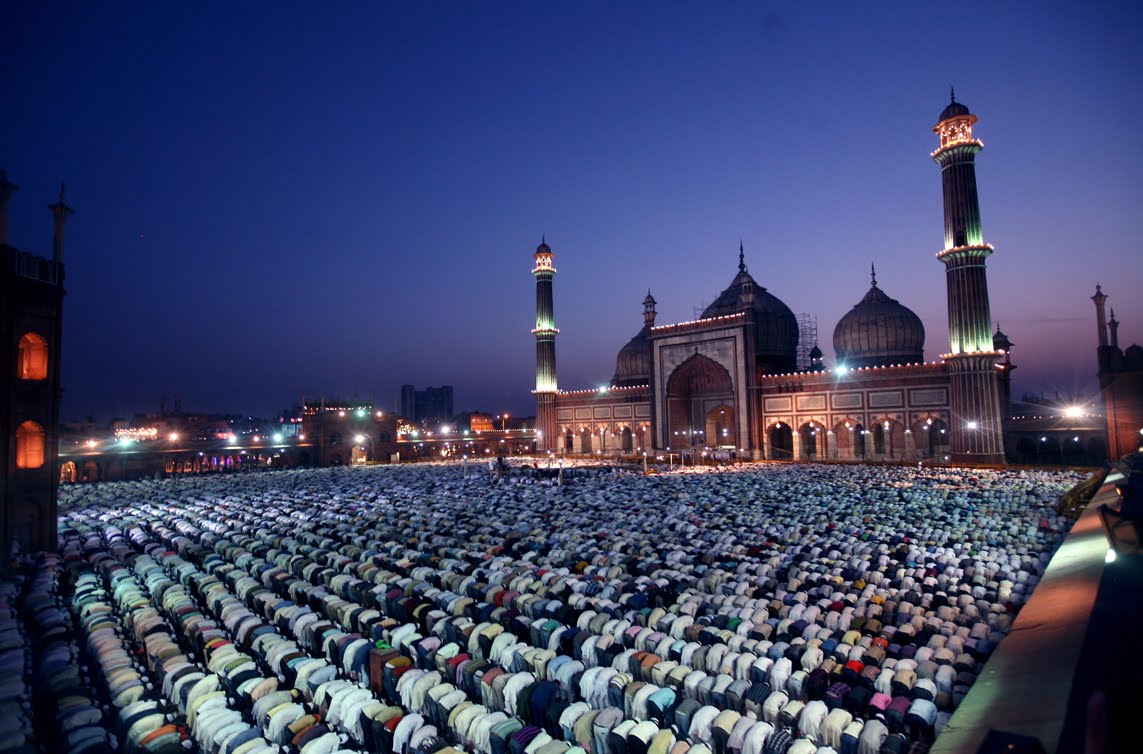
[{"x": 225, "y": 659}]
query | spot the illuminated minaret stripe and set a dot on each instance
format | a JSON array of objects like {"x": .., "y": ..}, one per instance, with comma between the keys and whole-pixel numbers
[
  {"x": 977, "y": 436},
  {"x": 545, "y": 332}
]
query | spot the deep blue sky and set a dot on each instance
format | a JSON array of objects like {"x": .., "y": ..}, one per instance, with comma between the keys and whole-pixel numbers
[{"x": 283, "y": 198}]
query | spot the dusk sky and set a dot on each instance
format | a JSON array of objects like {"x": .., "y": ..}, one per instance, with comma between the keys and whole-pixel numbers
[{"x": 278, "y": 199}]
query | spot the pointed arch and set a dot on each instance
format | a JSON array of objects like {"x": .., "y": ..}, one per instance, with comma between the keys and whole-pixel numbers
[
  {"x": 29, "y": 446},
  {"x": 781, "y": 437},
  {"x": 32, "y": 357}
]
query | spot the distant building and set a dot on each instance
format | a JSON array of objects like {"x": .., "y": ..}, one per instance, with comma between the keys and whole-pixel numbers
[
  {"x": 474, "y": 421},
  {"x": 1120, "y": 383},
  {"x": 31, "y": 305},
  {"x": 348, "y": 432},
  {"x": 1055, "y": 431},
  {"x": 430, "y": 403}
]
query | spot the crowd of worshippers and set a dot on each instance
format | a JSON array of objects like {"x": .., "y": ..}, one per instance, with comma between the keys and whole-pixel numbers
[{"x": 418, "y": 610}]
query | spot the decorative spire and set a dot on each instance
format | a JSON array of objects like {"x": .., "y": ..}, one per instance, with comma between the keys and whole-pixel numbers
[
  {"x": 952, "y": 94},
  {"x": 741, "y": 257},
  {"x": 60, "y": 211},
  {"x": 649, "y": 310},
  {"x": 6, "y": 189},
  {"x": 873, "y": 274},
  {"x": 1099, "y": 299}
]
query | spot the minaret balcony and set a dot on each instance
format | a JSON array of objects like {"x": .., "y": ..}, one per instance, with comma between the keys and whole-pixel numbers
[
  {"x": 969, "y": 146},
  {"x": 979, "y": 251}
]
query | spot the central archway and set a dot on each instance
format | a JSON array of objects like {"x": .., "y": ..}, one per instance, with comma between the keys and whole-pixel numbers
[{"x": 697, "y": 387}]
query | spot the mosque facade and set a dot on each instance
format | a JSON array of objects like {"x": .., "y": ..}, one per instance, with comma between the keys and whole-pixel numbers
[{"x": 727, "y": 381}]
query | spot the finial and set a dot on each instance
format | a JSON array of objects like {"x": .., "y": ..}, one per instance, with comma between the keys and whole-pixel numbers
[
  {"x": 543, "y": 238},
  {"x": 952, "y": 93},
  {"x": 873, "y": 274},
  {"x": 741, "y": 257},
  {"x": 1113, "y": 314}
]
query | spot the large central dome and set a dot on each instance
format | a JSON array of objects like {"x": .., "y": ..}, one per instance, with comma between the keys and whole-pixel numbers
[
  {"x": 879, "y": 331},
  {"x": 776, "y": 328}
]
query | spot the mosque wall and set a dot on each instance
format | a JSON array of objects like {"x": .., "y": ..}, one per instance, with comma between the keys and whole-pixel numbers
[
  {"x": 877, "y": 413},
  {"x": 603, "y": 421}
]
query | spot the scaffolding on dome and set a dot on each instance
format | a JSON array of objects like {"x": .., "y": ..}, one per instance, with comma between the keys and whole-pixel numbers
[{"x": 807, "y": 339}]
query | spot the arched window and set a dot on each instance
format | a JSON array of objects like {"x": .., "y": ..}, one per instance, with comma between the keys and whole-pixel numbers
[
  {"x": 29, "y": 446},
  {"x": 33, "y": 357}
]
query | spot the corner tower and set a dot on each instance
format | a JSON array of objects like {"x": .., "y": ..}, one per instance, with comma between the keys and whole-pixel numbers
[
  {"x": 545, "y": 332},
  {"x": 31, "y": 306},
  {"x": 977, "y": 436}
]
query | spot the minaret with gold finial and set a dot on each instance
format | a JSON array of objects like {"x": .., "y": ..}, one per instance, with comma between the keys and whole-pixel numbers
[{"x": 977, "y": 434}]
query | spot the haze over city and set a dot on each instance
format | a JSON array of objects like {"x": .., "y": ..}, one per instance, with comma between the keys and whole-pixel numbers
[{"x": 288, "y": 202}]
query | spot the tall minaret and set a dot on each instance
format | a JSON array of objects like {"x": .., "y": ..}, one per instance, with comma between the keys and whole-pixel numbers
[
  {"x": 977, "y": 436},
  {"x": 545, "y": 332}
]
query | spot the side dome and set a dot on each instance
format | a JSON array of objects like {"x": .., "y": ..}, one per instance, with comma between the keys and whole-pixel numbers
[
  {"x": 633, "y": 364},
  {"x": 879, "y": 331},
  {"x": 776, "y": 328}
]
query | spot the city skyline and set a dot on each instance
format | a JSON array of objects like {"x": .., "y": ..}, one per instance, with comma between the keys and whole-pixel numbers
[{"x": 302, "y": 204}]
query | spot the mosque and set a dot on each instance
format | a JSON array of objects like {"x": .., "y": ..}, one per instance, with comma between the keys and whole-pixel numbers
[{"x": 728, "y": 381}]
